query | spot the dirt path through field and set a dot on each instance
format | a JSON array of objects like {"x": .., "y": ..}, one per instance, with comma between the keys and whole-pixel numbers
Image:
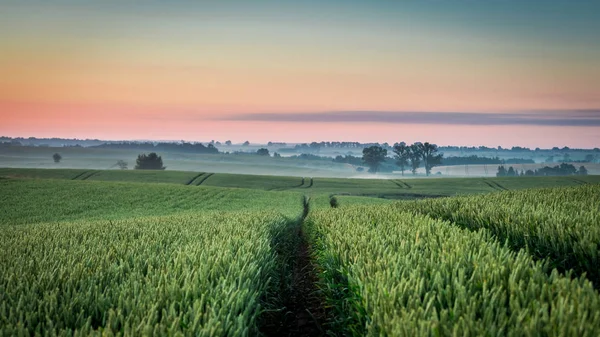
[{"x": 304, "y": 310}]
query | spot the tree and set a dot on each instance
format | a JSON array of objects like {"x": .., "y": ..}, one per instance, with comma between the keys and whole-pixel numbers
[
  {"x": 149, "y": 162},
  {"x": 262, "y": 152},
  {"x": 57, "y": 157},
  {"x": 122, "y": 164},
  {"x": 228, "y": 143},
  {"x": 373, "y": 156},
  {"x": 246, "y": 143},
  {"x": 582, "y": 171},
  {"x": 511, "y": 172},
  {"x": 430, "y": 156},
  {"x": 402, "y": 152},
  {"x": 276, "y": 155},
  {"x": 567, "y": 169},
  {"x": 501, "y": 171},
  {"x": 415, "y": 157}
]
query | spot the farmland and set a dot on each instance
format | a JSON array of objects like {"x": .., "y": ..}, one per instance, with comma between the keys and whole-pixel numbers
[
  {"x": 110, "y": 252},
  {"x": 396, "y": 274}
]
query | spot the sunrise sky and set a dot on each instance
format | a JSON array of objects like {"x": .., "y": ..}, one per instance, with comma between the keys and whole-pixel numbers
[{"x": 463, "y": 72}]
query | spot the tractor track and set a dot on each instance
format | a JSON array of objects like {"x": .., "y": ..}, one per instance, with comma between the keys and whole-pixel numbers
[
  {"x": 90, "y": 175},
  {"x": 194, "y": 178},
  {"x": 492, "y": 186},
  {"x": 304, "y": 309},
  {"x": 79, "y": 175},
  {"x": 201, "y": 181}
]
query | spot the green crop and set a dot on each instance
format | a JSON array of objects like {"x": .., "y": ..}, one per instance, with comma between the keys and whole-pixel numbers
[
  {"x": 45, "y": 200},
  {"x": 390, "y": 273},
  {"x": 561, "y": 225},
  {"x": 197, "y": 275}
]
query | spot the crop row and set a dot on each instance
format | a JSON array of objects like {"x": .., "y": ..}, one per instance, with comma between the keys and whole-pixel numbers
[
  {"x": 201, "y": 275},
  {"x": 391, "y": 273},
  {"x": 561, "y": 225}
]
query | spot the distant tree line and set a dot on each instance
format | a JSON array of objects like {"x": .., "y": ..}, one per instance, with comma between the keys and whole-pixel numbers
[
  {"x": 316, "y": 146},
  {"x": 162, "y": 146},
  {"x": 276, "y": 144},
  {"x": 558, "y": 170},
  {"x": 308, "y": 156},
  {"x": 476, "y": 160},
  {"x": 348, "y": 159}
]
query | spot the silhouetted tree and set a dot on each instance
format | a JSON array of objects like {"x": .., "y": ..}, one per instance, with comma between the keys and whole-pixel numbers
[
  {"x": 501, "y": 171},
  {"x": 276, "y": 155},
  {"x": 582, "y": 171},
  {"x": 246, "y": 143},
  {"x": 57, "y": 157},
  {"x": 402, "y": 152},
  {"x": 228, "y": 143},
  {"x": 373, "y": 156},
  {"x": 567, "y": 169},
  {"x": 430, "y": 156},
  {"x": 262, "y": 152},
  {"x": 149, "y": 162},
  {"x": 122, "y": 164},
  {"x": 511, "y": 172},
  {"x": 415, "y": 157}
]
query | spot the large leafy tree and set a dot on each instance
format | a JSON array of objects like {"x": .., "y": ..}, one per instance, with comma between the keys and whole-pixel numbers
[
  {"x": 430, "y": 156},
  {"x": 402, "y": 156},
  {"x": 151, "y": 161},
  {"x": 414, "y": 154},
  {"x": 373, "y": 156}
]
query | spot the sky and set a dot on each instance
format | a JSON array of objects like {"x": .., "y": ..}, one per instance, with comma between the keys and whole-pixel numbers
[{"x": 461, "y": 72}]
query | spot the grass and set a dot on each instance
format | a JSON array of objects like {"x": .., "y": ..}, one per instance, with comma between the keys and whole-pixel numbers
[{"x": 34, "y": 201}]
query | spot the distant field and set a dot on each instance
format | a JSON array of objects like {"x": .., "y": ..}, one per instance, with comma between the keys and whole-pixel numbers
[
  {"x": 102, "y": 159},
  {"x": 380, "y": 188},
  {"x": 490, "y": 170}
]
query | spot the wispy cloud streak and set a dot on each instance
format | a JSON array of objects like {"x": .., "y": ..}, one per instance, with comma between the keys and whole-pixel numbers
[{"x": 536, "y": 118}]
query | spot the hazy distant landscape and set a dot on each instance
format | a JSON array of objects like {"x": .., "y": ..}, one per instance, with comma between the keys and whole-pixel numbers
[
  {"x": 300, "y": 168},
  {"x": 322, "y": 159}
]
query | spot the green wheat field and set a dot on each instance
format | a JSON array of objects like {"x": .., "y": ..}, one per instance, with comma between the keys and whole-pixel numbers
[{"x": 154, "y": 253}]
